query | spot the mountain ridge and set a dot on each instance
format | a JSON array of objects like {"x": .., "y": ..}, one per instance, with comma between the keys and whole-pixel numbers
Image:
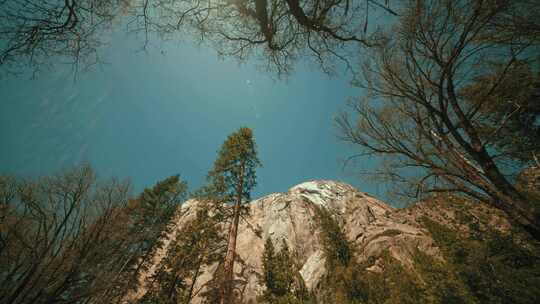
[{"x": 368, "y": 222}]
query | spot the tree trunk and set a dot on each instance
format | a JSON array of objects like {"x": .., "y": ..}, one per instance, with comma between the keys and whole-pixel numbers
[
  {"x": 519, "y": 211},
  {"x": 194, "y": 280},
  {"x": 172, "y": 289},
  {"x": 228, "y": 265},
  {"x": 507, "y": 198}
]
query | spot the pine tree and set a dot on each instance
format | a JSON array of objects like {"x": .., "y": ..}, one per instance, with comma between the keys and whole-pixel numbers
[
  {"x": 341, "y": 281},
  {"x": 230, "y": 182},
  {"x": 149, "y": 215},
  {"x": 268, "y": 263},
  {"x": 281, "y": 277},
  {"x": 337, "y": 248},
  {"x": 197, "y": 244}
]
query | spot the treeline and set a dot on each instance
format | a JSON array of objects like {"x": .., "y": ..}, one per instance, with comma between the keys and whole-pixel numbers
[
  {"x": 70, "y": 238},
  {"x": 450, "y": 88},
  {"x": 201, "y": 244},
  {"x": 481, "y": 267}
]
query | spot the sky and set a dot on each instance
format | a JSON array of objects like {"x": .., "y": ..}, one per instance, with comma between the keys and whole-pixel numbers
[{"x": 148, "y": 115}]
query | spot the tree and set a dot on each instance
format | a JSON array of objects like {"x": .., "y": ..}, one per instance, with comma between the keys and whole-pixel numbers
[
  {"x": 54, "y": 237},
  {"x": 268, "y": 265},
  {"x": 348, "y": 280},
  {"x": 281, "y": 277},
  {"x": 279, "y": 30},
  {"x": 33, "y": 31},
  {"x": 342, "y": 277},
  {"x": 337, "y": 248},
  {"x": 154, "y": 208},
  {"x": 230, "y": 182},
  {"x": 422, "y": 113},
  {"x": 509, "y": 118},
  {"x": 148, "y": 217},
  {"x": 69, "y": 239},
  {"x": 198, "y": 244},
  {"x": 494, "y": 266}
]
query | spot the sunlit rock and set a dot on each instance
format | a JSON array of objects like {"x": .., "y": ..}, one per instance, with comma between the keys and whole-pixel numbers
[{"x": 373, "y": 227}]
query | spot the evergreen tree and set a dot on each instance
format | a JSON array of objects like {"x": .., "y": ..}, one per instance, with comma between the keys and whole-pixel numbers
[
  {"x": 230, "y": 182},
  {"x": 347, "y": 281},
  {"x": 283, "y": 283},
  {"x": 337, "y": 248},
  {"x": 197, "y": 244},
  {"x": 149, "y": 215},
  {"x": 268, "y": 263},
  {"x": 341, "y": 280}
]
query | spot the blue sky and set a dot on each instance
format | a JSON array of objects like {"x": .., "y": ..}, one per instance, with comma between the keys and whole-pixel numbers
[{"x": 148, "y": 115}]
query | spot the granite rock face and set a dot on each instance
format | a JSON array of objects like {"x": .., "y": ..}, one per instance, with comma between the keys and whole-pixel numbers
[{"x": 373, "y": 226}]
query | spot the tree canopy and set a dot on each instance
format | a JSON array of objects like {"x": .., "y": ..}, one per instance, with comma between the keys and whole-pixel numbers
[
  {"x": 68, "y": 238},
  {"x": 437, "y": 105},
  {"x": 32, "y": 32}
]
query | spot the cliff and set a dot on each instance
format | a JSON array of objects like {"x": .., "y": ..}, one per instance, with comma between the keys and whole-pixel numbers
[{"x": 375, "y": 229}]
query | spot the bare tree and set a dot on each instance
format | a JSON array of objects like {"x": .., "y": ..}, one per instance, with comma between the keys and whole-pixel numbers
[
  {"x": 278, "y": 31},
  {"x": 33, "y": 31},
  {"x": 416, "y": 114},
  {"x": 53, "y": 242}
]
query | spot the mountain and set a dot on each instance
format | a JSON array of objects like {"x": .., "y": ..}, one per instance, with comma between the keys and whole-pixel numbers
[{"x": 434, "y": 242}]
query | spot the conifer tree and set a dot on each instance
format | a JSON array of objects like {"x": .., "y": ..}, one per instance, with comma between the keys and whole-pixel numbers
[
  {"x": 341, "y": 281},
  {"x": 281, "y": 277},
  {"x": 231, "y": 181},
  {"x": 197, "y": 244},
  {"x": 337, "y": 248},
  {"x": 149, "y": 215},
  {"x": 268, "y": 264}
]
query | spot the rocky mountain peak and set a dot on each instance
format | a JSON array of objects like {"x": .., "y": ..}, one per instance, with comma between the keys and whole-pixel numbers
[{"x": 372, "y": 225}]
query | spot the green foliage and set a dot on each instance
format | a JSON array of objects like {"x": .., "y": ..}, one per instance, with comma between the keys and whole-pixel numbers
[
  {"x": 152, "y": 210},
  {"x": 233, "y": 175},
  {"x": 197, "y": 244},
  {"x": 394, "y": 284},
  {"x": 342, "y": 277},
  {"x": 348, "y": 281},
  {"x": 337, "y": 249},
  {"x": 484, "y": 267},
  {"x": 492, "y": 268},
  {"x": 230, "y": 182},
  {"x": 283, "y": 283},
  {"x": 441, "y": 284},
  {"x": 147, "y": 218},
  {"x": 532, "y": 196}
]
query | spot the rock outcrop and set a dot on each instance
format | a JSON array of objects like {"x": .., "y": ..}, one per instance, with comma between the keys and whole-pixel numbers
[{"x": 370, "y": 224}]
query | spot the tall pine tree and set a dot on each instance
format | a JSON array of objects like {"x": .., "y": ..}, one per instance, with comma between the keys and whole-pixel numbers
[{"x": 231, "y": 181}]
